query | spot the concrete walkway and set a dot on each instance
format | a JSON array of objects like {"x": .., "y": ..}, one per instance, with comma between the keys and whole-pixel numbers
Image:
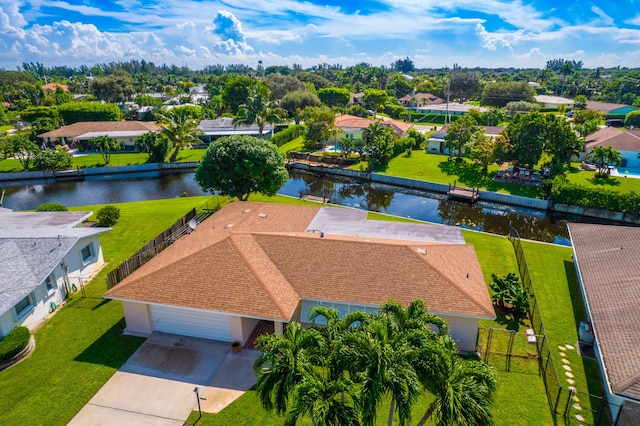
[{"x": 156, "y": 385}]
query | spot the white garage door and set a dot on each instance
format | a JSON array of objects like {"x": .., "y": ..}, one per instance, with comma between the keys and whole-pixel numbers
[{"x": 187, "y": 322}]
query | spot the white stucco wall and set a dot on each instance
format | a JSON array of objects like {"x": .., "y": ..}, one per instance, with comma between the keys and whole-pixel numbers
[
  {"x": 75, "y": 272},
  {"x": 464, "y": 330},
  {"x": 138, "y": 318}
]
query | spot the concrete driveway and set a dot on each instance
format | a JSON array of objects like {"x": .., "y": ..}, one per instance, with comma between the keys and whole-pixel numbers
[{"x": 156, "y": 385}]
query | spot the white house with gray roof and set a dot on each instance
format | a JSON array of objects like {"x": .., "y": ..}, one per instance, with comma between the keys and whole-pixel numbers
[{"x": 42, "y": 257}]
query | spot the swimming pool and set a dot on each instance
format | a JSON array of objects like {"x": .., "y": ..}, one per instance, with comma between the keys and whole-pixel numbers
[{"x": 632, "y": 173}]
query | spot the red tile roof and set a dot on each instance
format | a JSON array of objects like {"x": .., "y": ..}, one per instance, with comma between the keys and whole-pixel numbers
[
  {"x": 607, "y": 260},
  {"x": 352, "y": 122},
  {"x": 54, "y": 86},
  {"x": 265, "y": 263}
]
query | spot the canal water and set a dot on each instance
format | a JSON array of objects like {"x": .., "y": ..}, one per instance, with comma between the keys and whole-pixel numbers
[{"x": 488, "y": 217}]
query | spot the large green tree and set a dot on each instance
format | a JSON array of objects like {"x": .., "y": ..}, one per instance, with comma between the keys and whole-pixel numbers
[
  {"x": 295, "y": 102},
  {"x": 22, "y": 148},
  {"x": 117, "y": 87},
  {"x": 334, "y": 96},
  {"x": 319, "y": 125},
  {"x": 500, "y": 93},
  {"x": 460, "y": 133},
  {"x": 240, "y": 165},
  {"x": 258, "y": 110},
  {"x": 180, "y": 127},
  {"x": 526, "y": 135}
]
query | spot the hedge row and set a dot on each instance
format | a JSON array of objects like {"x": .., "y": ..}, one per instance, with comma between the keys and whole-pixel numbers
[
  {"x": 599, "y": 198},
  {"x": 287, "y": 135},
  {"x": 14, "y": 342}
]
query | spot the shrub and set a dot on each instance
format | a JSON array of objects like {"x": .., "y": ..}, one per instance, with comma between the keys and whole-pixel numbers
[
  {"x": 632, "y": 119},
  {"x": 599, "y": 198},
  {"x": 287, "y": 135},
  {"x": 14, "y": 342},
  {"x": 108, "y": 215},
  {"x": 52, "y": 207},
  {"x": 395, "y": 111},
  {"x": 52, "y": 160}
]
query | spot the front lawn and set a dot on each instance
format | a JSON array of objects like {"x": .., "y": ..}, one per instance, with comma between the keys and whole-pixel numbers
[{"x": 82, "y": 345}]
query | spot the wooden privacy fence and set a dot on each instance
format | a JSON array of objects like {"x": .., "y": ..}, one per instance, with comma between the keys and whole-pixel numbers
[{"x": 155, "y": 246}]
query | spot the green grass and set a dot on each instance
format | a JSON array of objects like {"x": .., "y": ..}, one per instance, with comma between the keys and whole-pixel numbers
[
  {"x": 558, "y": 294},
  {"x": 117, "y": 159},
  {"x": 82, "y": 345},
  {"x": 614, "y": 183},
  {"x": 436, "y": 168},
  {"x": 296, "y": 145},
  {"x": 5, "y": 127}
]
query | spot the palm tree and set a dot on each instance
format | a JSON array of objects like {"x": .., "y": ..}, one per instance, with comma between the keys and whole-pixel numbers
[
  {"x": 323, "y": 398},
  {"x": 604, "y": 156},
  {"x": 284, "y": 361},
  {"x": 180, "y": 127},
  {"x": 414, "y": 317},
  {"x": 104, "y": 144},
  {"x": 380, "y": 359},
  {"x": 258, "y": 110},
  {"x": 463, "y": 388},
  {"x": 372, "y": 132}
]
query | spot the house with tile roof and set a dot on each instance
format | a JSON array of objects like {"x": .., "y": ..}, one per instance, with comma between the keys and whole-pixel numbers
[
  {"x": 625, "y": 141},
  {"x": 79, "y": 133},
  {"x": 255, "y": 266},
  {"x": 436, "y": 143},
  {"x": 550, "y": 101},
  {"x": 43, "y": 256},
  {"x": 351, "y": 127},
  {"x": 606, "y": 262}
]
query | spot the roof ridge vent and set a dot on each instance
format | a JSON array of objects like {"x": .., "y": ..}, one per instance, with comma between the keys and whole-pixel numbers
[
  {"x": 262, "y": 215},
  {"x": 246, "y": 211},
  {"x": 228, "y": 225},
  {"x": 421, "y": 251}
]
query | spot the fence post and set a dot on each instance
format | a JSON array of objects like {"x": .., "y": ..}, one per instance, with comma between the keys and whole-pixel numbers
[
  {"x": 555, "y": 407},
  {"x": 486, "y": 353}
]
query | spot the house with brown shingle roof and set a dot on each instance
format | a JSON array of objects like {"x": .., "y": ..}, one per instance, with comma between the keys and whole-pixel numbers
[
  {"x": 625, "y": 141},
  {"x": 606, "y": 262},
  {"x": 252, "y": 264},
  {"x": 79, "y": 133}
]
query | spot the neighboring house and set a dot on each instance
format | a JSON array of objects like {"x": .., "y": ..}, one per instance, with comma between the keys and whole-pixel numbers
[
  {"x": 144, "y": 113},
  {"x": 356, "y": 99},
  {"x": 43, "y": 256},
  {"x": 351, "y": 127},
  {"x": 611, "y": 109},
  {"x": 451, "y": 108},
  {"x": 436, "y": 143},
  {"x": 54, "y": 86},
  {"x": 128, "y": 106},
  {"x": 263, "y": 265},
  {"x": 420, "y": 99},
  {"x": 223, "y": 126},
  {"x": 625, "y": 141},
  {"x": 548, "y": 101},
  {"x": 82, "y": 131},
  {"x": 606, "y": 262}
]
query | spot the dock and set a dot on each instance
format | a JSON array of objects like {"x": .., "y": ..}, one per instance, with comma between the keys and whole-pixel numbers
[
  {"x": 459, "y": 193},
  {"x": 68, "y": 175}
]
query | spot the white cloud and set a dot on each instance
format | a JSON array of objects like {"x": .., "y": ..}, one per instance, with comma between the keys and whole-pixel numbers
[
  {"x": 633, "y": 21},
  {"x": 229, "y": 31},
  {"x": 604, "y": 18}
]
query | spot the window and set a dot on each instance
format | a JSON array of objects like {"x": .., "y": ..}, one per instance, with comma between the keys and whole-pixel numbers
[
  {"x": 87, "y": 253},
  {"x": 23, "y": 307},
  {"x": 50, "y": 283}
]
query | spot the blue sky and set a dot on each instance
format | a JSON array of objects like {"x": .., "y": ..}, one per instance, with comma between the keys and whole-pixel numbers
[{"x": 486, "y": 33}]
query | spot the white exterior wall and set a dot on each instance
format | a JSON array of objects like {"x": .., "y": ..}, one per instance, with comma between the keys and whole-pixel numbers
[
  {"x": 76, "y": 272},
  {"x": 464, "y": 330},
  {"x": 138, "y": 318}
]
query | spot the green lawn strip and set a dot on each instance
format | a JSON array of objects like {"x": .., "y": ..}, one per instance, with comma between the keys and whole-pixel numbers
[
  {"x": 296, "y": 145},
  {"x": 614, "y": 183},
  {"x": 557, "y": 292},
  {"x": 437, "y": 168},
  {"x": 81, "y": 346},
  {"x": 117, "y": 159}
]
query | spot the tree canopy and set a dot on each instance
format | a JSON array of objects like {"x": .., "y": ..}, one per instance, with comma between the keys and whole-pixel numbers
[{"x": 240, "y": 165}]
